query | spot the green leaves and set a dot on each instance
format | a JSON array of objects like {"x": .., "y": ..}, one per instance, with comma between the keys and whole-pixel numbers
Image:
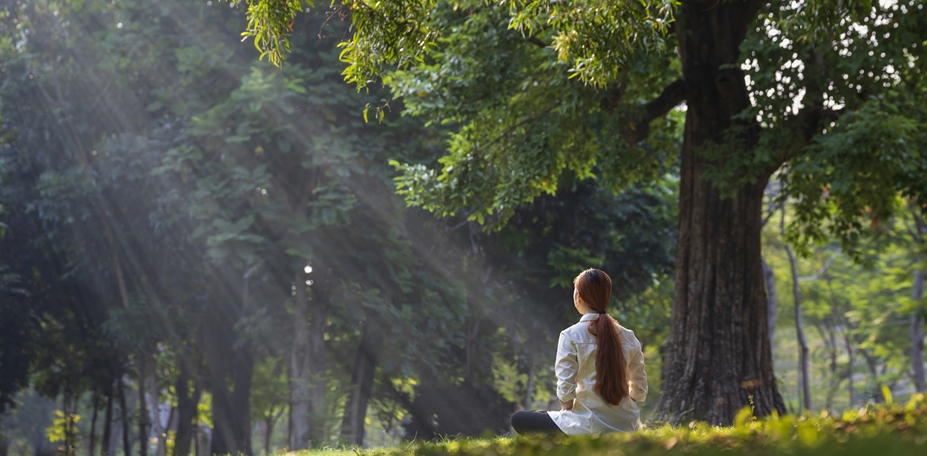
[
  {"x": 270, "y": 24},
  {"x": 388, "y": 33},
  {"x": 853, "y": 175},
  {"x": 599, "y": 39}
]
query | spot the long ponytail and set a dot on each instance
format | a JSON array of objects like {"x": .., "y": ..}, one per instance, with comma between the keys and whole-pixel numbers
[{"x": 595, "y": 288}]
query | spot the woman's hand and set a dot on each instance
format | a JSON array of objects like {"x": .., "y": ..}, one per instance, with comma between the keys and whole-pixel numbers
[{"x": 564, "y": 406}]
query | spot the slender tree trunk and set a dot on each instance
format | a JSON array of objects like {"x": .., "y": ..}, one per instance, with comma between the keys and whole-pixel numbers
[
  {"x": 871, "y": 363},
  {"x": 720, "y": 358},
  {"x": 243, "y": 376},
  {"x": 299, "y": 368},
  {"x": 143, "y": 425},
  {"x": 268, "y": 432},
  {"x": 529, "y": 388},
  {"x": 804, "y": 380},
  {"x": 66, "y": 406},
  {"x": 318, "y": 314},
  {"x": 771, "y": 301},
  {"x": 834, "y": 381},
  {"x": 230, "y": 366},
  {"x": 830, "y": 344},
  {"x": 156, "y": 431},
  {"x": 93, "y": 426},
  {"x": 107, "y": 424},
  {"x": 917, "y": 335},
  {"x": 355, "y": 406},
  {"x": 124, "y": 417},
  {"x": 849, "y": 347},
  {"x": 186, "y": 408}
]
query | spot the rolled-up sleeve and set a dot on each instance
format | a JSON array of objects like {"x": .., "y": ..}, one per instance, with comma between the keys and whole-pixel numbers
[
  {"x": 637, "y": 378},
  {"x": 565, "y": 368}
]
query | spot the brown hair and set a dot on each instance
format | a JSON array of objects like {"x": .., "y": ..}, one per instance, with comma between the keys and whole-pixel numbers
[{"x": 595, "y": 288}]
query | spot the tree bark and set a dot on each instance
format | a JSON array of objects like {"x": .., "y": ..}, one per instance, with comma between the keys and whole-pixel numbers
[
  {"x": 720, "y": 357},
  {"x": 355, "y": 406},
  {"x": 143, "y": 418},
  {"x": 299, "y": 368},
  {"x": 186, "y": 408},
  {"x": 917, "y": 335},
  {"x": 124, "y": 416},
  {"x": 156, "y": 431},
  {"x": 529, "y": 388},
  {"x": 107, "y": 423},
  {"x": 318, "y": 313},
  {"x": 849, "y": 347},
  {"x": 93, "y": 425},
  {"x": 826, "y": 332},
  {"x": 804, "y": 381},
  {"x": 230, "y": 366}
]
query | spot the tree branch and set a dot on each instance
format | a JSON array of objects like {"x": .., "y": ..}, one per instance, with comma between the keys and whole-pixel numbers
[
  {"x": 671, "y": 96},
  {"x": 772, "y": 210},
  {"x": 535, "y": 41},
  {"x": 823, "y": 267}
]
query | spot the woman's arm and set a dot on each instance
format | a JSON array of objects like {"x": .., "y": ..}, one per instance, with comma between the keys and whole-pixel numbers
[
  {"x": 565, "y": 368},
  {"x": 637, "y": 378}
]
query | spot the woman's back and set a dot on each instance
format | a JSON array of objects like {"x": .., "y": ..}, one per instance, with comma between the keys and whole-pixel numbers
[
  {"x": 600, "y": 369},
  {"x": 576, "y": 379}
]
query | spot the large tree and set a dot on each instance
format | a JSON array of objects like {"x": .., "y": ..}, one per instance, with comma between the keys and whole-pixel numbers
[{"x": 828, "y": 93}]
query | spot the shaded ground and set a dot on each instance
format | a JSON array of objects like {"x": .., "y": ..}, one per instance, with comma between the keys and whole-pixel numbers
[{"x": 895, "y": 430}]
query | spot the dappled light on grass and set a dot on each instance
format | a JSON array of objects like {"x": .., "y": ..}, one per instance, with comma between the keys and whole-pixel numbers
[{"x": 891, "y": 429}]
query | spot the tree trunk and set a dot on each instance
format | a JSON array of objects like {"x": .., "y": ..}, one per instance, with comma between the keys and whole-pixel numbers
[
  {"x": 143, "y": 418},
  {"x": 108, "y": 424},
  {"x": 93, "y": 425},
  {"x": 830, "y": 344},
  {"x": 156, "y": 431},
  {"x": 268, "y": 432},
  {"x": 834, "y": 381},
  {"x": 242, "y": 376},
  {"x": 720, "y": 358},
  {"x": 186, "y": 408},
  {"x": 804, "y": 381},
  {"x": 124, "y": 417},
  {"x": 318, "y": 313},
  {"x": 529, "y": 388},
  {"x": 299, "y": 368},
  {"x": 849, "y": 347},
  {"x": 230, "y": 366},
  {"x": 917, "y": 335},
  {"x": 355, "y": 406},
  {"x": 771, "y": 301}
]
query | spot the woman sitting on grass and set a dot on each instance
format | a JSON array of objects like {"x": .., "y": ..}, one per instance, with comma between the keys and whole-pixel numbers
[{"x": 600, "y": 370}]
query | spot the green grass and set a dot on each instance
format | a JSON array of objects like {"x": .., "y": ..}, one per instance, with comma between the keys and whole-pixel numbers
[{"x": 875, "y": 431}]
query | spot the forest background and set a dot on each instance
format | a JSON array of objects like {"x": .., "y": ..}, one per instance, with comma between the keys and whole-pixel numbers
[{"x": 203, "y": 252}]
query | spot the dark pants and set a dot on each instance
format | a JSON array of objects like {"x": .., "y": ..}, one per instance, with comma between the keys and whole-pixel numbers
[{"x": 539, "y": 421}]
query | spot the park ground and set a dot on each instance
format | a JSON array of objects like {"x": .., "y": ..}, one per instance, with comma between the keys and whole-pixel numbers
[{"x": 885, "y": 430}]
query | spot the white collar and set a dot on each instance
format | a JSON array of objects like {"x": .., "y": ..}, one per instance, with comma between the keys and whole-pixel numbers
[{"x": 589, "y": 317}]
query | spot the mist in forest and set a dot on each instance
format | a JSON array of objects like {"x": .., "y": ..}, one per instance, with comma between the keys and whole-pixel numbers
[{"x": 201, "y": 253}]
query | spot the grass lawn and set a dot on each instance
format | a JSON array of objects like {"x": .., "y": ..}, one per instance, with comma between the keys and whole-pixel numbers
[{"x": 883, "y": 431}]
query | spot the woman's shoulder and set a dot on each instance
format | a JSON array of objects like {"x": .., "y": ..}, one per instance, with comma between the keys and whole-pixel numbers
[{"x": 628, "y": 335}]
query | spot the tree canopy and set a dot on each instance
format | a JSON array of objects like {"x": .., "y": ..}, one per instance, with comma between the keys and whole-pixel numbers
[{"x": 828, "y": 96}]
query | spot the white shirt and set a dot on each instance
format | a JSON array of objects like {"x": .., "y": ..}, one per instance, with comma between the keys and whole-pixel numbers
[{"x": 575, "y": 368}]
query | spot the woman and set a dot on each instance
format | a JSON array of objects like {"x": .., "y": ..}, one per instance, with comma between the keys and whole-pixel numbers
[{"x": 600, "y": 370}]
